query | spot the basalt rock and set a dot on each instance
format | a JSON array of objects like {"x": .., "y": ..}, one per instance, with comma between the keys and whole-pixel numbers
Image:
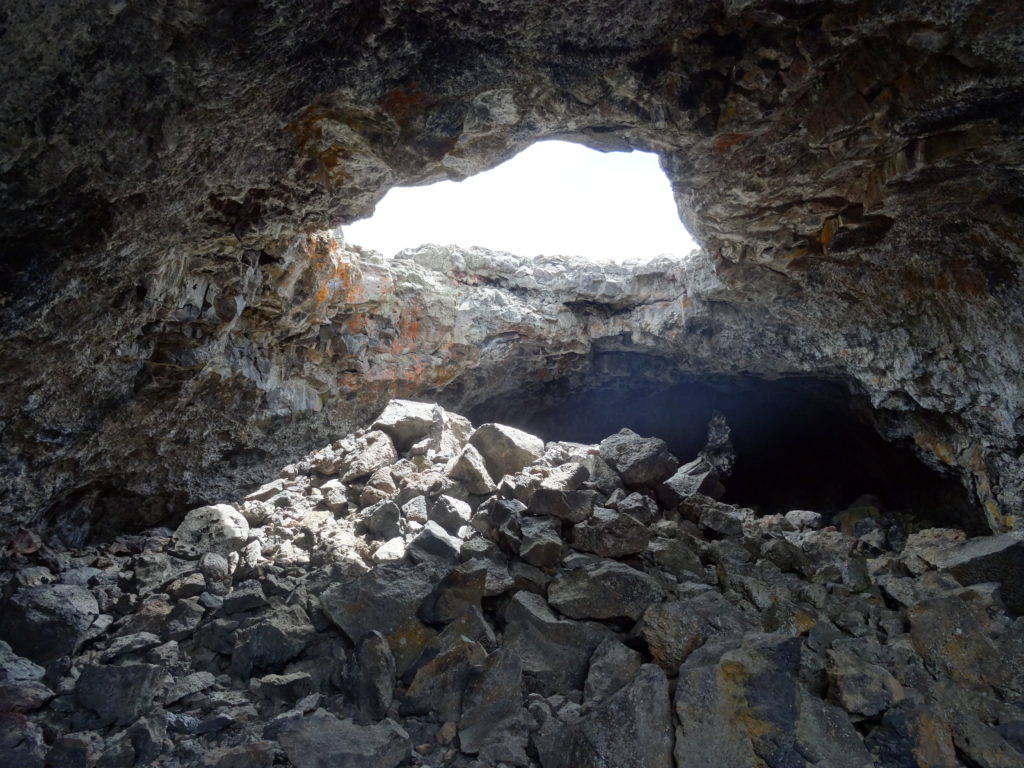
[{"x": 764, "y": 639}]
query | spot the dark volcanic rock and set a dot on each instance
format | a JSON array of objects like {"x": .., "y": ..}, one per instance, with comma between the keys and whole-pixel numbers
[
  {"x": 45, "y": 622},
  {"x": 640, "y": 461},
  {"x": 118, "y": 694},
  {"x": 321, "y": 739},
  {"x": 604, "y": 590}
]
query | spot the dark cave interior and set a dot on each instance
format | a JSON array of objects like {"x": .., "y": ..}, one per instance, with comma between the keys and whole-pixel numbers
[{"x": 800, "y": 443}]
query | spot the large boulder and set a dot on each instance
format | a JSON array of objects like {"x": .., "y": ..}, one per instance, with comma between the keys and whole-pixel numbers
[
  {"x": 630, "y": 729},
  {"x": 604, "y": 589},
  {"x": 218, "y": 528},
  {"x": 118, "y": 695},
  {"x": 640, "y": 461},
  {"x": 320, "y": 739},
  {"x": 990, "y": 559},
  {"x": 506, "y": 450},
  {"x": 46, "y": 622},
  {"x": 610, "y": 534},
  {"x": 405, "y": 421}
]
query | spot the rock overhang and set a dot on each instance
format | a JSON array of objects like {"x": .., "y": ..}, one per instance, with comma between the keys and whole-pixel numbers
[{"x": 851, "y": 172}]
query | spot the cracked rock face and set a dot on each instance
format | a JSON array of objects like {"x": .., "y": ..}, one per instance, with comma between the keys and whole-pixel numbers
[{"x": 174, "y": 323}]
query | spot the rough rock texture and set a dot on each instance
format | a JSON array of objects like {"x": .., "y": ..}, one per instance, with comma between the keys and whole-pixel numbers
[
  {"x": 173, "y": 326},
  {"x": 783, "y": 640}
]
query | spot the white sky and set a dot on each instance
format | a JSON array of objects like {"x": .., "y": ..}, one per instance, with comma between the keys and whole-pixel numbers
[{"x": 553, "y": 198}]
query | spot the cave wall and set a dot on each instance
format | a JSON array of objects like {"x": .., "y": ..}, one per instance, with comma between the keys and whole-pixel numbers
[{"x": 174, "y": 325}]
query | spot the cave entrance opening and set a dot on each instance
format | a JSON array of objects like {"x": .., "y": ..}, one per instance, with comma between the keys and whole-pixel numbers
[
  {"x": 800, "y": 443},
  {"x": 553, "y": 198}
]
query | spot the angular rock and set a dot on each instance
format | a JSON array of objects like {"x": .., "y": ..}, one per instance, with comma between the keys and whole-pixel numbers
[
  {"x": 271, "y": 643},
  {"x": 320, "y": 739},
  {"x": 641, "y": 507},
  {"x": 555, "y": 652},
  {"x": 450, "y": 513},
  {"x": 246, "y": 596},
  {"x": 384, "y": 600},
  {"x": 118, "y": 695},
  {"x": 991, "y": 559},
  {"x": 541, "y": 543},
  {"x": 859, "y": 687},
  {"x": 631, "y": 729},
  {"x": 188, "y": 685},
  {"x": 640, "y": 461},
  {"x": 372, "y": 451},
  {"x": 437, "y": 688},
  {"x": 698, "y": 476},
  {"x": 913, "y": 736},
  {"x": 183, "y": 619},
  {"x": 677, "y": 557},
  {"x": 381, "y": 520},
  {"x": 405, "y": 421},
  {"x": 370, "y": 677},
  {"x": 612, "y": 666},
  {"x": 505, "y": 450},
  {"x": 573, "y": 506},
  {"x": 471, "y": 469},
  {"x": 434, "y": 545},
  {"x": 604, "y": 590},
  {"x": 390, "y": 551},
  {"x": 219, "y": 528},
  {"x": 46, "y": 622},
  {"x": 492, "y": 701},
  {"x": 610, "y": 534},
  {"x": 456, "y": 593},
  {"x": 674, "y": 630}
]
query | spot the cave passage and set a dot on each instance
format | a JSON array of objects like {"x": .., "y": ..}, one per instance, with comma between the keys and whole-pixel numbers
[{"x": 800, "y": 443}]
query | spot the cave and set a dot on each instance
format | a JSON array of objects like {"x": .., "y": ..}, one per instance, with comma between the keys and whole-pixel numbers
[
  {"x": 800, "y": 443},
  {"x": 270, "y": 499}
]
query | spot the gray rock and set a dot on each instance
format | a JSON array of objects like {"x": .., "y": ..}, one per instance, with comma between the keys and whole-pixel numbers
[
  {"x": 574, "y": 506},
  {"x": 721, "y": 519},
  {"x": 740, "y": 708},
  {"x": 246, "y": 596},
  {"x": 216, "y": 573},
  {"x": 492, "y": 702},
  {"x": 381, "y": 520},
  {"x": 612, "y": 666},
  {"x": 219, "y": 528},
  {"x": 405, "y": 421},
  {"x": 21, "y": 742},
  {"x": 991, "y": 559},
  {"x": 471, "y": 469},
  {"x": 271, "y": 643},
  {"x": 506, "y": 450},
  {"x": 320, "y": 739},
  {"x": 384, "y": 600},
  {"x": 118, "y": 695},
  {"x": 604, "y": 590},
  {"x": 698, "y": 476},
  {"x": 541, "y": 543},
  {"x": 610, "y": 534},
  {"x": 183, "y": 619},
  {"x": 438, "y": 685},
  {"x": 17, "y": 669},
  {"x": 460, "y": 590},
  {"x": 371, "y": 677},
  {"x": 859, "y": 687},
  {"x": 674, "y": 630},
  {"x": 500, "y": 520},
  {"x": 641, "y": 507},
  {"x": 450, "y": 513},
  {"x": 188, "y": 685},
  {"x": 433, "y": 544},
  {"x": 640, "y": 461},
  {"x": 46, "y": 622},
  {"x": 555, "y": 652},
  {"x": 676, "y": 556},
  {"x": 826, "y": 737},
  {"x": 631, "y": 729},
  {"x": 372, "y": 451}
]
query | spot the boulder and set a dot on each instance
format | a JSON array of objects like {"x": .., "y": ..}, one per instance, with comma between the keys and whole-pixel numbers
[
  {"x": 555, "y": 652},
  {"x": 320, "y": 739},
  {"x": 46, "y": 622},
  {"x": 612, "y": 666},
  {"x": 859, "y": 687},
  {"x": 541, "y": 542},
  {"x": 492, "y": 702},
  {"x": 218, "y": 528},
  {"x": 604, "y": 589},
  {"x": 382, "y": 520},
  {"x": 673, "y": 630},
  {"x": 438, "y": 685},
  {"x": 434, "y": 545},
  {"x": 640, "y": 461},
  {"x": 572, "y": 506},
  {"x": 632, "y": 728},
  {"x": 506, "y": 450},
  {"x": 698, "y": 476},
  {"x": 405, "y": 421},
  {"x": 610, "y": 534},
  {"x": 118, "y": 695},
  {"x": 450, "y": 513},
  {"x": 270, "y": 643},
  {"x": 372, "y": 451},
  {"x": 370, "y": 677},
  {"x": 471, "y": 469},
  {"x": 990, "y": 559},
  {"x": 456, "y": 593}
]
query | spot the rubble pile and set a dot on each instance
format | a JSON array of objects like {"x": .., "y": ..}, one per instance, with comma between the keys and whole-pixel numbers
[{"x": 423, "y": 593}]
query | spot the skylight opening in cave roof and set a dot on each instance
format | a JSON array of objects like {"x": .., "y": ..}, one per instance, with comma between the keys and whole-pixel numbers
[{"x": 553, "y": 198}]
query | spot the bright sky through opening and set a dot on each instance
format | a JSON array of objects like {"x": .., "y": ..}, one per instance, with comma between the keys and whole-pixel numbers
[{"x": 553, "y": 198}]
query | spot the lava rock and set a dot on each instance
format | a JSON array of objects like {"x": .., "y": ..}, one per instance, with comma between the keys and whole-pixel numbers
[
  {"x": 991, "y": 559},
  {"x": 610, "y": 534},
  {"x": 604, "y": 590},
  {"x": 371, "y": 677},
  {"x": 506, "y": 450},
  {"x": 247, "y": 596},
  {"x": 492, "y": 702},
  {"x": 219, "y": 528},
  {"x": 46, "y": 622},
  {"x": 434, "y": 545},
  {"x": 699, "y": 476},
  {"x": 372, "y": 451},
  {"x": 471, "y": 469},
  {"x": 573, "y": 506},
  {"x": 271, "y": 643},
  {"x": 437, "y": 688},
  {"x": 405, "y": 421},
  {"x": 456, "y": 593},
  {"x": 118, "y": 695},
  {"x": 450, "y": 513},
  {"x": 612, "y": 666},
  {"x": 640, "y": 461},
  {"x": 859, "y": 687},
  {"x": 381, "y": 520},
  {"x": 631, "y": 729},
  {"x": 541, "y": 543},
  {"x": 320, "y": 739},
  {"x": 673, "y": 630}
]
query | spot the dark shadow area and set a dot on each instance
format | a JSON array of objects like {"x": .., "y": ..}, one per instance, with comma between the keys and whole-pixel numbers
[{"x": 800, "y": 443}]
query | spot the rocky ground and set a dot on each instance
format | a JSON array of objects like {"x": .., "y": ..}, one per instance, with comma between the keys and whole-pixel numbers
[{"x": 421, "y": 593}]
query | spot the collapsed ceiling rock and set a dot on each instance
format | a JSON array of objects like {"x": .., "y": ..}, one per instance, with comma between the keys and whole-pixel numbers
[
  {"x": 172, "y": 326},
  {"x": 302, "y": 627}
]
